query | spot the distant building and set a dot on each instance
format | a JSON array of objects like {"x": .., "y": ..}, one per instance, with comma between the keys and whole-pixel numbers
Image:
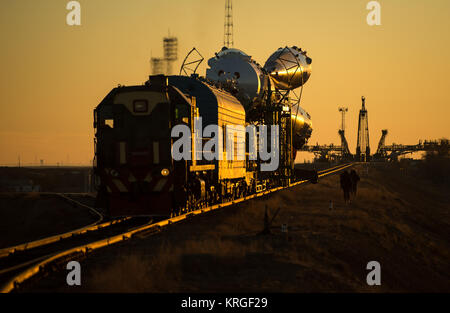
[{"x": 18, "y": 185}]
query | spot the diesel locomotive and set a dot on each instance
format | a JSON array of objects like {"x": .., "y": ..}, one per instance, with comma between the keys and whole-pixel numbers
[{"x": 134, "y": 167}]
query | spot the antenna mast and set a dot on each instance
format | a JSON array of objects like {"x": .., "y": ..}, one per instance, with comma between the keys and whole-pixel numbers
[{"x": 228, "y": 29}]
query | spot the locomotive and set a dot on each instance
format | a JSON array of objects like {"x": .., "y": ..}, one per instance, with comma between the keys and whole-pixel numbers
[{"x": 134, "y": 167}]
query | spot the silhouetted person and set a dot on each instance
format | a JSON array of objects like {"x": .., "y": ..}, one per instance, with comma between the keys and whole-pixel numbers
[
  {"x": 355, "y": 179},
  {"x": 346, "y": 185}
]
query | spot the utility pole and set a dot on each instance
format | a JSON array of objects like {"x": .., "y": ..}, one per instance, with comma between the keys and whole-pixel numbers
[{"x": 228, "y": 28}]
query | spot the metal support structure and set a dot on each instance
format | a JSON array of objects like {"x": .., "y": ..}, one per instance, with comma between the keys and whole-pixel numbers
[
  {"x": 344, "y": 145},
  {"x": 191, "y": 62},
  {"x": 325, "y": 152},
  {"x": 363, "y": 147},
  {"x": 394, "y": 151},
  {"x": 286, "y": 150},
  {"x": 157, "y": 66},
  {"x": 343, "y": 110},
  {"x": 170, "y": 46},
  {"x": 381, "y": 153},
  {"x": 163, "y": 66},
  {"x": 228, "y": 27},
  {"x": 345, "y": 151},
  {"x": 290, "y": 99}
]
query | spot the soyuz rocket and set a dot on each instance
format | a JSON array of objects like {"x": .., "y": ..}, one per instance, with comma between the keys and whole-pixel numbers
[{"x": 285, "y": 70}]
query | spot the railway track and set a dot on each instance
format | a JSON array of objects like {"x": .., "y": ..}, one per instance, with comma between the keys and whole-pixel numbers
[
  {"x": 14, "y": 264},
  {"x": 39, "y": 258}
]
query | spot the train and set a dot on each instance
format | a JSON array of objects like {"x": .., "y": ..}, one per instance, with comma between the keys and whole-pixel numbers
[{"x": 136, "y": 135}]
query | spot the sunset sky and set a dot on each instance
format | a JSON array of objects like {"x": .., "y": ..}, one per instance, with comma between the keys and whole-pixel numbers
[{"x": 53, "y": 75}]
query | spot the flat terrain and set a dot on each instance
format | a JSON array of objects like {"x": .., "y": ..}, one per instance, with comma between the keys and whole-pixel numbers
[
  {"x": 396, "y": 219},
  {"x": 27, "y": 217},
  {"x": 45, "y": 179}
]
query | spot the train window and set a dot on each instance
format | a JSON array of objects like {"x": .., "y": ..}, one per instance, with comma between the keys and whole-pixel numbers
[
  {"x": 182, "y": 112},
  {"x": 109, "y": 122},
  {"x": 140, "y": 106}
]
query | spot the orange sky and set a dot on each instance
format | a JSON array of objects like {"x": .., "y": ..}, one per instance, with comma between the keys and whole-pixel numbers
[{"x": 53, "y": 75}]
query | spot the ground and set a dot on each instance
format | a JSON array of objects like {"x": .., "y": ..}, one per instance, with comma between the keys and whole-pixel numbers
[
  {"x": 396, "y": 219},
  {"x": 27, "y": 217}
]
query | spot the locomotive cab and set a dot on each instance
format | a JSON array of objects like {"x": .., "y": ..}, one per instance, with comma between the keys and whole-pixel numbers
[{"x": 133, "y": 163}]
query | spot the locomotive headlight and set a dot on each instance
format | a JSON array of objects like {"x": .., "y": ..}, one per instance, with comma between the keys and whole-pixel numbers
[
  {"x": 140, "y": 106},
  {"x": 165, "y": 172}
]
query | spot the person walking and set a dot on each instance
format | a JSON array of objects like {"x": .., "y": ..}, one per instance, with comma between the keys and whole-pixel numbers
[
  {"x": 355, "y": 179},
  {"x": 346, "y": 185}
]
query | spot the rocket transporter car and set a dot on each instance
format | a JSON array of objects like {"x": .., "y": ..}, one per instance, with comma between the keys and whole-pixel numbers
[{"x": 134, "y": 167}]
